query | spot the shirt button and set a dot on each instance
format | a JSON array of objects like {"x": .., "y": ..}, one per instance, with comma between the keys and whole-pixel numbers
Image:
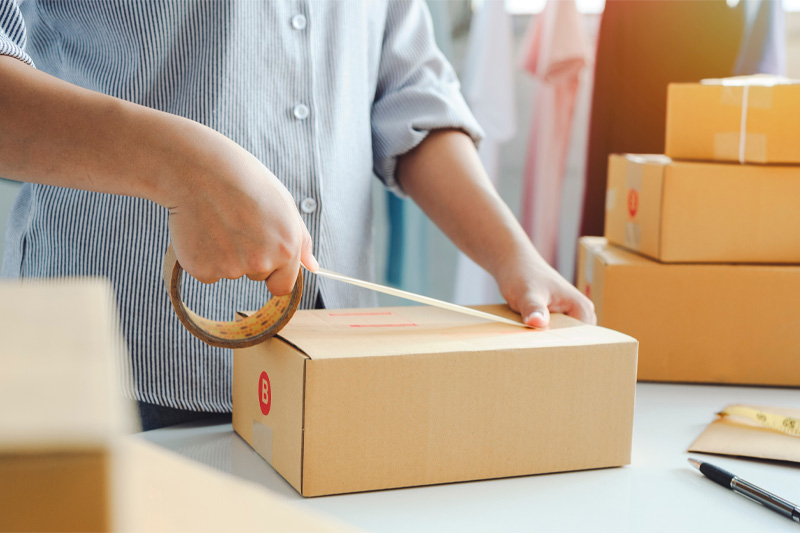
[
  {"x": 299, "y": 22},
  {"x": 308, "y": 205},
  {"x": 300, "y": 111}
]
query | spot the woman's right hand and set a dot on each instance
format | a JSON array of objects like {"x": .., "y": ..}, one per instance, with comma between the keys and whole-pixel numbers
[{"x": 229, "y": 216}]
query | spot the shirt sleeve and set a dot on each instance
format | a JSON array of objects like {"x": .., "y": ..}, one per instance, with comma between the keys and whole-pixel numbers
[
  {"x": 417, "y": 92},
  {"x": 12, "y": 32}
]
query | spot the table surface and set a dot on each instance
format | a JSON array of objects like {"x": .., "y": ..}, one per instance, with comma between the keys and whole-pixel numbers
[{"x": 658, "y": 491}]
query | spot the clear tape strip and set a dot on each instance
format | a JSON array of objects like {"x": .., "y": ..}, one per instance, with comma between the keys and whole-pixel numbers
[
  {"x": 416, "y": 297},
  {"x": 743, "y": 124}
]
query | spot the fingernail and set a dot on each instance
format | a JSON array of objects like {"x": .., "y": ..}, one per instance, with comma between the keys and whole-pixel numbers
[{"x": 534, "y": 315}]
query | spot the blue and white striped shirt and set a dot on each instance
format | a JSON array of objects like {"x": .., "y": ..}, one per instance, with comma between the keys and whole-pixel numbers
[{"x": 325, "y": 93}]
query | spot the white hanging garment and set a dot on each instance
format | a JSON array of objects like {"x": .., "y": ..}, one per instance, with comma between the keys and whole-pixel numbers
[{"x": 488, "y": 87}]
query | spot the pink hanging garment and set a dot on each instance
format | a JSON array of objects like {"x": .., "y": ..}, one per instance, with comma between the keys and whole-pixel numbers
[{"x": 554, "y": 51}]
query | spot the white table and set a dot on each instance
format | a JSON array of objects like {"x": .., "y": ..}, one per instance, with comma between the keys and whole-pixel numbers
[{"x": 659, "y": 491}]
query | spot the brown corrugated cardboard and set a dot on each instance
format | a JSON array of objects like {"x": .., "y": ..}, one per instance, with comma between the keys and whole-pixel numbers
[
  {"x": 57, "y": 491},
  {"x": 708, "y": 121},
  {"x": 678, "y": 211},
  {"x": 59, "y": 406},
  {"x": 367, "y": 399},
  {"x": 707, "y": 323},
  {"x": 161, "y": 491}
]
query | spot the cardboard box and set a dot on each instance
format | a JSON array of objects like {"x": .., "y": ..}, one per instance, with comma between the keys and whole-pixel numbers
[
  {"x": 749, "y": 119},
  {"x": 367, "y": 399},
  {"x": 698, "y": 323},
  {"x": 58, "y": 407},
  {"x": 162, "y": 491},
  {"x": 679, "y": 211},
  {"x": 65, "y": 462}
]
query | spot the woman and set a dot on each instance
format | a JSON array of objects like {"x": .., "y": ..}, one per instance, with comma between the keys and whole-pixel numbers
[{"x": 247, "y": 133}]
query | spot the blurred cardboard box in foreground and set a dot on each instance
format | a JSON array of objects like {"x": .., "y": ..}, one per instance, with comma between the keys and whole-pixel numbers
[
  {"x": 158, "y": 490},
  {"x": 705, "y": 323},
  {"x": 367, "y": 399},
  {"x": 747, "y": 119},
  {"x": 679, "y": 211},
  {"x": 59, "y": 409},
  {"x": 65, "y": 462}
]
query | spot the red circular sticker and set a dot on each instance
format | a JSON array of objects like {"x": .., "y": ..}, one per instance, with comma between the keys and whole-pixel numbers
[
  {"x": 264, "y": 393},
  {"x": 633, "y": 202}
]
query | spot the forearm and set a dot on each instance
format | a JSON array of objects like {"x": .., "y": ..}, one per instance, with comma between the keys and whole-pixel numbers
[
  {"x": 56, "y": 133},
  {"x": 229, "y": 215},
  {"x": 446, "y": 179}
]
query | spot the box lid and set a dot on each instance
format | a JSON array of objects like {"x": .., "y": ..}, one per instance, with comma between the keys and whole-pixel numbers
[
  {"x": 58, "y": 385},
  {"x": 752, "y": 80},
  {"x": 612, "y": 255},
  {"x": 387, "y": 331}
]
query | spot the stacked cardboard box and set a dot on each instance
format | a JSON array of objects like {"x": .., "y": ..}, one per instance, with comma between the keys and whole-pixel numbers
[{"x": 712, "y": 291}]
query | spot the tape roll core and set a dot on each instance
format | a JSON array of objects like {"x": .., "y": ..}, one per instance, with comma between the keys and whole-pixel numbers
[{"x": 248, "y": 331}]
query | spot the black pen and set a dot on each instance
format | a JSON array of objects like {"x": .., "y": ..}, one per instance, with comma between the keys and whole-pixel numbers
[{"x": 748, "y": 490}]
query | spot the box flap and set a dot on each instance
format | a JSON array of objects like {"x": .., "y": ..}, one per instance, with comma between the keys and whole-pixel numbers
[
  {"x": 753, "y": 80},
  {"x": 425, "y": 330},
  {"x": 648, "y": 159},
  {"x": 58, "y": 386},
  {"x": 612, "y": 255}
]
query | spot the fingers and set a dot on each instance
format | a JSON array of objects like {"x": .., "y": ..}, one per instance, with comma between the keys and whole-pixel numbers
[
  {"x": 538, "y": 302},
  {"x": 203, "y": 277},
  {"x": 582, "y": 308},
  {"x": 577, "y": 305},
  {"x": 281, "y": 281},
  {"x": 534, "y": 311},
  {"x": 258, "y": 276},
  {"x": 307, "y": 252}
]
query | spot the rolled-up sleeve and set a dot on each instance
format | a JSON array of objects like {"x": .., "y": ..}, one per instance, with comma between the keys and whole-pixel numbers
[
  {"x": 12, "y": 32},
  {"x": 417, "y": 91}
]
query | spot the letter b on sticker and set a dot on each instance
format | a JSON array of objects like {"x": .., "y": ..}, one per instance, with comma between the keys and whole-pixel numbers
[
  {"x": 633, "y": 202},
  {"x": 264, "y": 393}
]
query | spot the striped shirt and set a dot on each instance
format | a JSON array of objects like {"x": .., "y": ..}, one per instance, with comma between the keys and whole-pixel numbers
[{"x": 325, "y": 93}]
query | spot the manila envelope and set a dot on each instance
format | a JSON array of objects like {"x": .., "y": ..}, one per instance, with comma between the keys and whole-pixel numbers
[{"x": 744, "y": 437}]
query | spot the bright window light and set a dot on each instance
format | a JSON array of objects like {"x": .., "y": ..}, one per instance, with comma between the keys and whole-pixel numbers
[{"x": 531, "y": 7}]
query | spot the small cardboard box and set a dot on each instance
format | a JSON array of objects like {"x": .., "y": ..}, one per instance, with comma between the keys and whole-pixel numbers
[
  {"x": 367, "y": 399},
  {"x": 750, "y": 119},
  {"x": 679, "y": 211},
  {"x": 704, "y": 323}
]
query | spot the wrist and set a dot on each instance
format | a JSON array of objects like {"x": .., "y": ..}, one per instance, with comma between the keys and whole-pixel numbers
[
  {"x": 167, "y": 156},
  {"x": 520, "y": 261}
]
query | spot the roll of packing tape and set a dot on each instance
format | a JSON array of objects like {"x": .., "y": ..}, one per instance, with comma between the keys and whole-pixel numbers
[{"x": 248, "y": 331}]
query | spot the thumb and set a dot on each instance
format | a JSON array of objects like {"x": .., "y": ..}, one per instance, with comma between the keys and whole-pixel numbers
[
  {"x": 307, "y": 253},
  {"x": 533, "y": 308}
]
